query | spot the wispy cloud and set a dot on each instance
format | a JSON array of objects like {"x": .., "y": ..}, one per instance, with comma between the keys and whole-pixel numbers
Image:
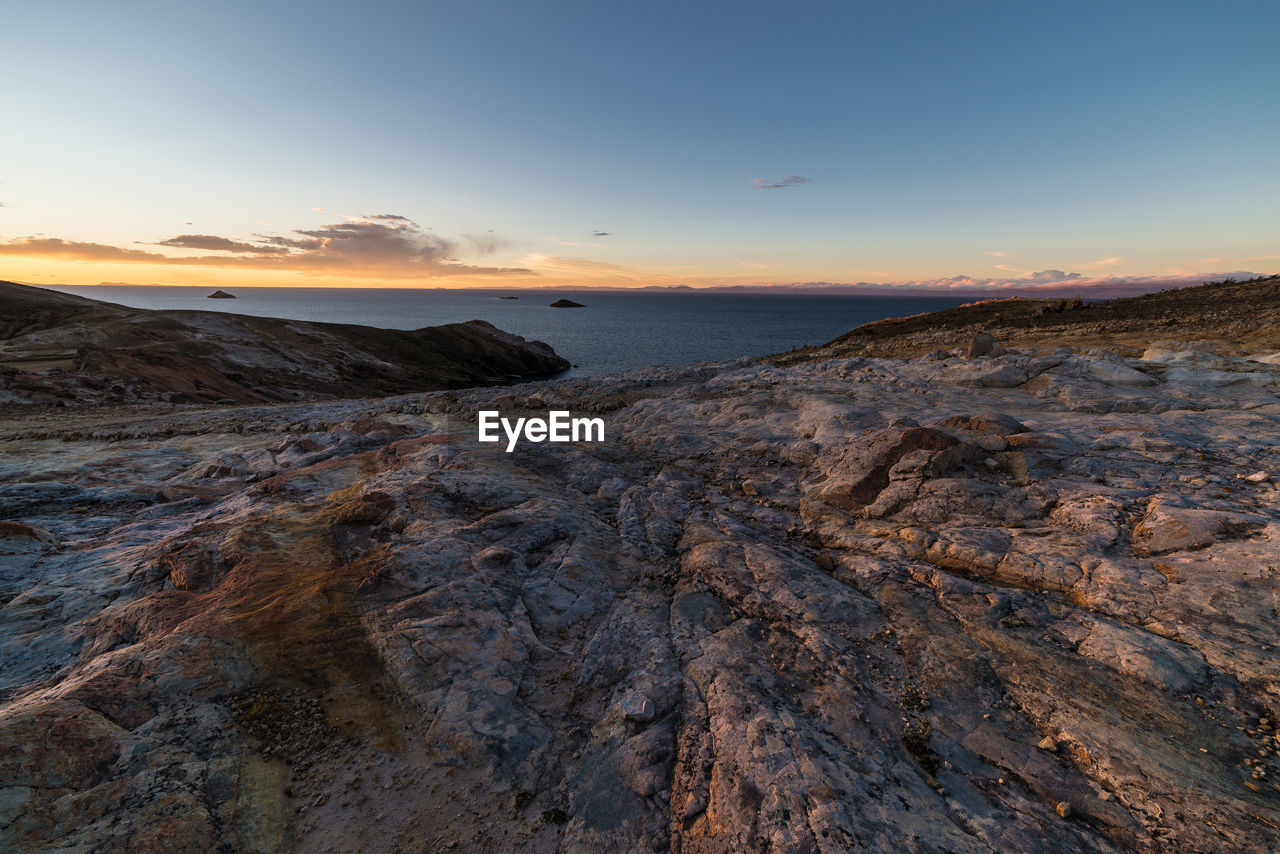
[
  {"x": 1100, "y": 264},
  {"x": 599, "y": 234},
  {"x": 1222, "y": 264},
  {"x": 558, "y": 242},
  {"x": 597, "y": 272},
  {"x": 996, "y": 253},
  {"x": 782, "y": 184},
  {"x": 486, "y": 244},
  {"x": 384, "y": 245}
]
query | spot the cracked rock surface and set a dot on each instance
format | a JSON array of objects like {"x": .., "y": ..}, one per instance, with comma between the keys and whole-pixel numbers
[{"x": 1015, "y": 602}]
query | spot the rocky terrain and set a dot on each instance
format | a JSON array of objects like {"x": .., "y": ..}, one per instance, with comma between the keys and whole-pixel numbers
[
  {"x": 1238, "y": 318},
  {"x": 65, "y": 350},
  {"x": 1000, "y": 598}
]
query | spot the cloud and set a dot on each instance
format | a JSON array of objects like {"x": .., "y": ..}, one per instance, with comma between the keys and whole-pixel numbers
[
  {"x": 382, "y": 246},
  {"x": 486, "y": 244},
  {"x": 395, "y": 246},
  {"x": 789, "y": 181},
  {"x": 995, "y": 253},
  {"x": 1039, "y": 276},
  {"x": 1100, "y": 263},
  {"x": 218, "y": 244},
  {"x": 1045, "y": 277},
  {"x": 289, "y": 242},
  {"x": 599, "y": 272},
  {"x": 599, "y": 234},
  {"x": 55, "y": 247},
  {"x": 560, "y": 242}
]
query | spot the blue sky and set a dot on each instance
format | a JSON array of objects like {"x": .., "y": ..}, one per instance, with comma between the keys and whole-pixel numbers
[{"x": 937, "y": 139}]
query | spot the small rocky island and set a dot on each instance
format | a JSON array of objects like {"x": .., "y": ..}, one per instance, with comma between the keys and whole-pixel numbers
[
  {"x": 221, "y": 295},
  {"x": 567, "y": 303},
  {"x": 910, "y": 590}
]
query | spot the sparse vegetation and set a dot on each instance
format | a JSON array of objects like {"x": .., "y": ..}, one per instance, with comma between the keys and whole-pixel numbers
[{"x": 1241, "y": 317}]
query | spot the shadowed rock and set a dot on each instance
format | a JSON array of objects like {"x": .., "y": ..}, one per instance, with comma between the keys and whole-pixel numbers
[
  {"x": 868, "y": 469},
  {"x": 1167, "y": 528},
  {"x": 983, "y": 345},
  {"x": 58, "y": 349}
]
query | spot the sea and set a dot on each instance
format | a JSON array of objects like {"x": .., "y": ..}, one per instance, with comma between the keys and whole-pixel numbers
[{"x": 613, "y": 331}]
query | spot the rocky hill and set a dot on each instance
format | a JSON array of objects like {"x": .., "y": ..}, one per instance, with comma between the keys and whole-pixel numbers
[
  {"x": 1236, "y": 317},
  {"x": 61, "y": 349},
  {"x": 1024, "y": 601}
]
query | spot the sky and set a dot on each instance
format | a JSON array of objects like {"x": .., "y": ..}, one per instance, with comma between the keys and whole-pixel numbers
[{"x": 1022, "y": 144}]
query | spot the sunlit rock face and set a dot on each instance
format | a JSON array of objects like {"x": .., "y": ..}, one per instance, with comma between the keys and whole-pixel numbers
[{"x": 1017, "y": 602}]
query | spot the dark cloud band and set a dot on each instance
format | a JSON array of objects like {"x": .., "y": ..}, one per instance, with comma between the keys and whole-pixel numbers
[{"x": 213, "y": 243}]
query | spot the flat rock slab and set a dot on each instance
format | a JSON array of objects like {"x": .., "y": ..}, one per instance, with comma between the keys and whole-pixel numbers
[{"x": 1167, "y": 528}]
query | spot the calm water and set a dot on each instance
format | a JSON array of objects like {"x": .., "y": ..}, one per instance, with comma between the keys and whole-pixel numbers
[{"x": 617, "y": 330}]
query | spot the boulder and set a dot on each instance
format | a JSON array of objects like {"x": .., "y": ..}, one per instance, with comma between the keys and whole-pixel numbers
[{"x": 983, "y": 345}]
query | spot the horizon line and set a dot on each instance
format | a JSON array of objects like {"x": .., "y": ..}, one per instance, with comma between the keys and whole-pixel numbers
[{"x": 959, "y": 286}]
